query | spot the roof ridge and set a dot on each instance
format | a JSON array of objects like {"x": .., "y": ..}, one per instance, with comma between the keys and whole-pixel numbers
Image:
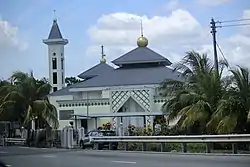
[
  {"x": 141, "y": 55},
  {"x": 125, "y": 54},
  {"x": 92, "y": 68}
]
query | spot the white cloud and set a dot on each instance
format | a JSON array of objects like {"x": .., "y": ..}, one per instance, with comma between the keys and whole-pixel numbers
[
  {"x": 246, "y": 14},
  {"x": 9, "y": 38},
  {"x": 172, "y": 4},
  {"x": 246, "y": 29},
  {"x": 237, "y": 47},
  {"x": 118, "y": 32},
  {"x": 212, "y": 2},
  {"x": 171, "y": 36}
]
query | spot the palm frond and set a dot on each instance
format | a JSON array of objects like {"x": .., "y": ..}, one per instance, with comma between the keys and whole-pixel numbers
[{"x": 227, "y": 124}]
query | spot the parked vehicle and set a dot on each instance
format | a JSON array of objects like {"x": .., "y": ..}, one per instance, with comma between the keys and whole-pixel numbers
[{"x": 86, "y": 141}]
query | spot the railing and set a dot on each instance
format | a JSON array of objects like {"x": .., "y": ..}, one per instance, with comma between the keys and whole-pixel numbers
[
  {"x": 10, "y": 141},
  {"x": 234, "y": 139},
  {"x": 83, "y": 102}
]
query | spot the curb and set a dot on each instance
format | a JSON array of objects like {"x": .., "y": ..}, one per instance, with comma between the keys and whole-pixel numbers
[{"x": 44, "y": 151}]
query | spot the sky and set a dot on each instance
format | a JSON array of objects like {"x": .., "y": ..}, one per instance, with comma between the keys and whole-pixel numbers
[{"x": 172, "y": 27}]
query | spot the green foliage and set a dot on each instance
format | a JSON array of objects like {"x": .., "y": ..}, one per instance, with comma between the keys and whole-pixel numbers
[
  {"x": 24, "y": 99},
  {"x": 72, "y": 80},
  {"x": 169, "y": 147},
  {"x": 207, "y": 101}
]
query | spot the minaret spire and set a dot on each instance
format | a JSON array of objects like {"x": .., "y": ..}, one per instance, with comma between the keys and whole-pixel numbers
[
  {"x": 103, "y": 60},
  {"x": 54, "y": 11}
]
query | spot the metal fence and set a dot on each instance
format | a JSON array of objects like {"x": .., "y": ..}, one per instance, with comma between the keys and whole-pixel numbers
[{"x": 233, "y": 139}]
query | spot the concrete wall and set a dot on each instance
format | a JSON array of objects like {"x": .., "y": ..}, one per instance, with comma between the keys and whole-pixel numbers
[
  {"x": 88, "y": 95},
  {"x": 82, "y": 110},
  {"x": 131, "y": 106}
]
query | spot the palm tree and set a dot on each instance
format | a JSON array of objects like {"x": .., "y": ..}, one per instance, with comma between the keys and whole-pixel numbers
[
  {"x": 7, "y": 108},
  {"x": 30, "y": 96},
  {"x": 72, "y": 80},
  {"x": 193, "y": 101},
  {"x": 233, "y": 112}
]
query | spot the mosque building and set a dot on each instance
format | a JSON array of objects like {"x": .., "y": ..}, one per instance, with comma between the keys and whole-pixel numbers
[{"x": 126, "y": 95}]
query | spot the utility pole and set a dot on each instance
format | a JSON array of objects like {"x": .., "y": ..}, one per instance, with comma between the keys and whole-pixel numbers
[
  {"x": 213, "y": 31},
  {"x": 213, "y": 27}
]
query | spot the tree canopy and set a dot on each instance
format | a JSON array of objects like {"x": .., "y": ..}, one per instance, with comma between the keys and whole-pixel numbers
[
  {"x": 206, "y": 102},
  {"x": 71, "y": 80},
  {"x": 24, "y": 98}
]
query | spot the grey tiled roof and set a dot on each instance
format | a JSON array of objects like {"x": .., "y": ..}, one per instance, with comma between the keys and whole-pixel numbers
[
  {"x": 106, "y": 76},
  {"x": 141, "y": 55},
  {"x": 123, "y": 77},
  {"x": 55, "y": 32},
  {"x": 96, "y": 70},
  {"x": 135, "y": 76},
  {"x": 63, "y": 91}
]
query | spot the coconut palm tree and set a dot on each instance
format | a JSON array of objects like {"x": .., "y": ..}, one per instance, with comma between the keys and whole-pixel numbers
[
  {"x": 30, "y": 96},
  {"x": 7, "y": 108},
  {"x": 193, "y": 101},
  {"x": 233, "y": 111},
  {"x": 72, "y": 80}
]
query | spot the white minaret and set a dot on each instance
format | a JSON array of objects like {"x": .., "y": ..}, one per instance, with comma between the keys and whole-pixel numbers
[{"x": 56, "y": 44}]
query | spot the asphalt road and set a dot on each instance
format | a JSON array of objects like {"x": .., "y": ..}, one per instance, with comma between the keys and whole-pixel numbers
[{"x": 32, "y": 157}]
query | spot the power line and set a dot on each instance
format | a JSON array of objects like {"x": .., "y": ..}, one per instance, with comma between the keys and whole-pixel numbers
[
  {"x": 234, "y": 25},
  {"x": 236, "y": 20},
  {"x": 223, "y": 56}
]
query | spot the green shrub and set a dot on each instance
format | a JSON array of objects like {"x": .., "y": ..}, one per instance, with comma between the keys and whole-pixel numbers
[{"x": 196, "y": 147}]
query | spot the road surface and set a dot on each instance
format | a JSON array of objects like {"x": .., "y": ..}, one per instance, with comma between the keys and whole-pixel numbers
[{"x": 33, "y": 157}]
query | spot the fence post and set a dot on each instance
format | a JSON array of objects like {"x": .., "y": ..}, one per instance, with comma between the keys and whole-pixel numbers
[
  {"x": 234, "y": 148},
  {"x": 184, "y": 147},
  {"x": 126, "y": 146},
  {"x": 120, "y": 130},
  {"x": 65, "y": 132},
  {"x": 163, "y": 147},
  {"x": 208, "y": 147},
  {"x": 70, "y": 138},
  {"x": 3, "y": 138},
  {"x": 62, "y": 138},
  {"x": 144, "y": 146},
  {"x": 110, "y": 146}
]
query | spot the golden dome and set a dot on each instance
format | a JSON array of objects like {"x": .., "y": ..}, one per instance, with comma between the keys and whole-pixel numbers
[
  {"x": 103, "y": 60},
  {"x": 142, "y": 42}
]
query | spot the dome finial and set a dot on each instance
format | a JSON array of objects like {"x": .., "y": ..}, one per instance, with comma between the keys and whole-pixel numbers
[
  {"x": 103, "y": 60},
  {"x": 141, "y": 28},
  {"x": 142, "y": 41}
]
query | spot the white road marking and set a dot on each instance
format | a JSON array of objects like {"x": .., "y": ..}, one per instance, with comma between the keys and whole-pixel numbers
[
  {"x": 33, "y": 148},
  {"x": 124, "y": 162},
  {"x": 8, "y": 165},
  {"x": 27, "y": 147},
  {"x": 49, "y": 156},
  {"x": 3, "y": 152}
]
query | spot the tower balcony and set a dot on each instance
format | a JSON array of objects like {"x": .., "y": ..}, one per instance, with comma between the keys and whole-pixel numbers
[{"x": 60, "y": 41}]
